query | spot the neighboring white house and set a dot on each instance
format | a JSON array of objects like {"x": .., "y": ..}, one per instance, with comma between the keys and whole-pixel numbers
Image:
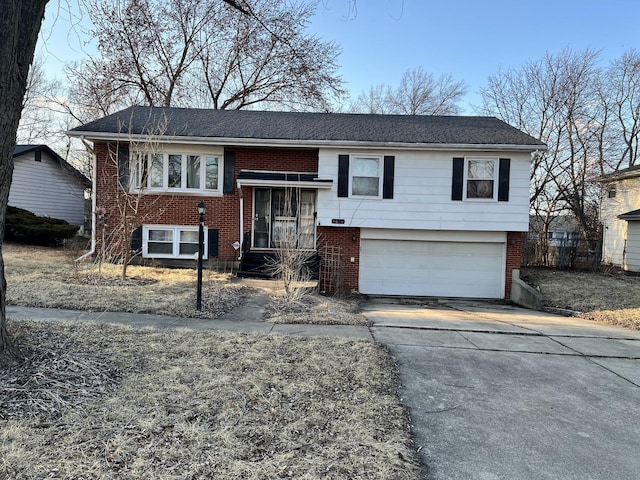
[
  {"x": 620, "y": 196},
  {"x": 45, "y": 184}
]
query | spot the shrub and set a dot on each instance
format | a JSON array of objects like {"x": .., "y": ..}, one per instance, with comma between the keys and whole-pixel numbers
[{"x": 22, "y": 226}]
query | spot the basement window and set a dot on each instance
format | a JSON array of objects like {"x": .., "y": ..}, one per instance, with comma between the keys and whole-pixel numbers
[{"x": 163, "y": 241}]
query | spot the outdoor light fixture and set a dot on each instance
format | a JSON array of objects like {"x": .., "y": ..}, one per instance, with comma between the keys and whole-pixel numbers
[{"x": 202, "y": 208}]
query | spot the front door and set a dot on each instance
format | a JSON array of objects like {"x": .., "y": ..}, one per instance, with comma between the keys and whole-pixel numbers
[{"x": 284, "y": 217}]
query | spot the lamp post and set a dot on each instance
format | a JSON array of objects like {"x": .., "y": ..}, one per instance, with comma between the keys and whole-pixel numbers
[{"x": 202, "y": 208}]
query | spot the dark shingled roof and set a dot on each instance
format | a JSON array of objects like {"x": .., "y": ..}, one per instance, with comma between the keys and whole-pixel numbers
[
  {"x": 633, "y": 215},
  {"x": 306, "y": 127},
  {"x": 629, "y": 172}
]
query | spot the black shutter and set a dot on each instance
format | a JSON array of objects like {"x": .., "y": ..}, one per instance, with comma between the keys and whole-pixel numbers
[
  {"x": 123, "y": 168},
  {"x": 343, "y": 175},
  {"x": 503, "y": 180},
  {"x": 136, "y": 240},
  {"x": 212, "y": 240},
  {"x": 228, "y": 185},
  {"x": 457, "y": 183},
  {"x": 387, "y": 179}
]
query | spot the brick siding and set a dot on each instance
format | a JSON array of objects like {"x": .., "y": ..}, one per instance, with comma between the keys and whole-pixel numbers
[
  {"x": 514, "y": 258},
  {"x": 181, "y": 209},
  {"x": 348, "y": 239}
]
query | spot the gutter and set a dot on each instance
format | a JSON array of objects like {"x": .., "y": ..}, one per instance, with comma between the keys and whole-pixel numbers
[
  {"x": 94, "y": 182},
  {"x": 276, "y": 142}
]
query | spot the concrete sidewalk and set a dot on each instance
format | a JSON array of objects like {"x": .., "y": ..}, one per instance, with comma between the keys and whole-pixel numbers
[{"x": 245, "y": 319}]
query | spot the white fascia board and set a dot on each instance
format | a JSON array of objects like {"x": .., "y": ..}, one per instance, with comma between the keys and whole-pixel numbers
[{"x": 258, "y": 142}]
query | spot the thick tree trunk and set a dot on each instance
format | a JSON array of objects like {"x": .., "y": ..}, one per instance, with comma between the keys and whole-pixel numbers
[{"x": 19, "y": 26}]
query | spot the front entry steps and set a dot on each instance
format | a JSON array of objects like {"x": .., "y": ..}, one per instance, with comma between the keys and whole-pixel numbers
[
  {"x": 260, "y": 265},
  {"x": 256, "y": 265}
]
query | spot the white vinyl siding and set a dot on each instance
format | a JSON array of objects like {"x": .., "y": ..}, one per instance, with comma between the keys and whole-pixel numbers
[
  {"x": 422, "y": 195},
  {"x": 614, "y": 235},
  {"x": 171, "y": 241},
  {"x": 45, "y": 189},
  {"x": 440, "y": 264}
]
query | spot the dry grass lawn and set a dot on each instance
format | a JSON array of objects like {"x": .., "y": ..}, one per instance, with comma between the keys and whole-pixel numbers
[
  {"x": 45, "y": 277},
  {"x": 605, "y": 297},
  {"x": 107, "y": 402},
  {"x": 181, "y": 404}
]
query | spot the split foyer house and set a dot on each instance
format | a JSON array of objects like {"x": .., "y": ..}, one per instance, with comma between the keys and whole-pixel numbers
[
  {"x": 411, "y": 205},
  {"x": 620, "y": 217}
]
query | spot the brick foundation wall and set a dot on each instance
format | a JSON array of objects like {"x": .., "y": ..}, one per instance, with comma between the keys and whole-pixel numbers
[
  {"x": 348, "y": 239},
  {"x": 514, "y": 258},
  {"x": 180, "y": 209}
]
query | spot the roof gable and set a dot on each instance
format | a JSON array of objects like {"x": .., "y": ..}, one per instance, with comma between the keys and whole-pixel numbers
[
  {"x": 308, "y": 128},
  {"x": 21, "y": 150}
]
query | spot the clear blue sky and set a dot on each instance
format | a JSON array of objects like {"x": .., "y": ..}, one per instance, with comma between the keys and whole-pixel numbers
[{"x": 468, "y": 39}]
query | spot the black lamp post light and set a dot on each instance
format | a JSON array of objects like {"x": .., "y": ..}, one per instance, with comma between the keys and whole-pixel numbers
[{"x": 202, "y": 208}]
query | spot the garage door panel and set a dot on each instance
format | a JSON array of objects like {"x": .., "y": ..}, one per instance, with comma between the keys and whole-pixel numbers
[{"x": 431, "y": 268}]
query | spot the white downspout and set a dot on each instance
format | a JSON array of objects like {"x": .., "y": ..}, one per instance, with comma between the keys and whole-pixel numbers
[
  {"x": 241, "y": 220},
  {"x": 94, "y": 181}
]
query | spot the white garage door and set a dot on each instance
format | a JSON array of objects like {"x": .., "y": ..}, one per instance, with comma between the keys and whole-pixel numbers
[{"x": 432, "y": 268}]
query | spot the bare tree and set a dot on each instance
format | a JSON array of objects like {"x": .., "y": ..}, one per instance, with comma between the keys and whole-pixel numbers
[
  {"x": 19, "y": 26},
  {"x": 38, "y": 119},
  {"x": 211, "y": 53},
  {"x": 556, "y": 99},
  {"x": 124, "y": 211},
  {"x": 621, "y": 93},
  {"x": 419, "y": 93}
]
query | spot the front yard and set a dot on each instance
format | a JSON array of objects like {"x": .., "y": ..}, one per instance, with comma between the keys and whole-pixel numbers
[
  {"x": 609, "y": 297},
  {"x": 102, "y": 401}
]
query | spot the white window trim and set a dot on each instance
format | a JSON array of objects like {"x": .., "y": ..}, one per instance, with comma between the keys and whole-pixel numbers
[
  {"x": 496, "y": 167},
  {"x": 176, "y": 241},
  {"x": 380, "y": 159},
  {"x": 183, "y": 171}
]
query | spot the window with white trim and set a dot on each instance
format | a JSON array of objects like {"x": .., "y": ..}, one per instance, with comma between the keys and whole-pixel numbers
[
  {"x": 168, "y": 241},
  {"x": 366, "y": 176},
  {"x": 185, "y": 172},
  {"x": 481, "y": 178}
]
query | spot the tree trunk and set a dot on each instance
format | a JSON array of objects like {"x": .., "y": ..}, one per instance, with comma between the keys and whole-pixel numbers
[{"x": 19, "y": 26}]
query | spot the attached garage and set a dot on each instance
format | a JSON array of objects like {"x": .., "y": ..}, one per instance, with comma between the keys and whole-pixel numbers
[{"x": 440, "y": 264}]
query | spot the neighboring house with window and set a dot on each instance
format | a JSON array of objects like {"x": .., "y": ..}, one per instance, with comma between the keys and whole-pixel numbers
[
  {"x": 45, "y": 184},
  {"x": 618, "y": 214},
  {"x": 556, "y": 242},
  {"x": 410, "y": 205}
]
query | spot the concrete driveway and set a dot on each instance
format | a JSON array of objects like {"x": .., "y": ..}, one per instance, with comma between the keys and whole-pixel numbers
[{"x": 497, "y": 392}]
